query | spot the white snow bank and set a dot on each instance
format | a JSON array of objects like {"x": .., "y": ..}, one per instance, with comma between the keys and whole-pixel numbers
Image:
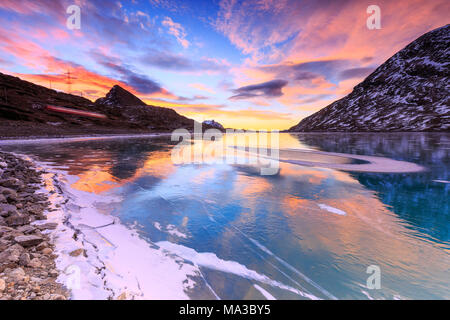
[{"x": 116, "y": 262}]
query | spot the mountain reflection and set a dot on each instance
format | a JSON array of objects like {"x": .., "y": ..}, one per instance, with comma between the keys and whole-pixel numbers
[{"x": 415, "y": 197}]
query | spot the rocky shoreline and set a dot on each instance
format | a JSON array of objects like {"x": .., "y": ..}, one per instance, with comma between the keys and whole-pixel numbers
[{"x": 27, "y": 260}]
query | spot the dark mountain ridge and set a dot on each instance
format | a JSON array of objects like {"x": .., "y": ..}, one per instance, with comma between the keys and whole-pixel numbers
[
  {"x": 118, "y": 96},
  {"x": 24, "y": 112}
]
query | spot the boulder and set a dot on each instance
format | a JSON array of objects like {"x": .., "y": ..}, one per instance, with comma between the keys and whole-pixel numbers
[
  {"x": 48, "y": 225},
  {"x": 9, "y": 256},
  {"x": 24, "y": 259},
  {"x": 12, "y": 183},
  {"x": 77, "y": 252},
  {"x": 35, "y": 209},
  {"x": 42, "y": 246},
  {"x": 26, "y": 229},
  {"x": 53, "y": 273},
  {"x": 35, "y": 263},
  {"x": 8, "y": 193},
  {"x": 2, "y": 285},
  {"x": 17, "y": 219},
  {"x": 17, "y": 274},
  {"x": 47, "y": 251},
  {"x": 28, "y": 241},
  {"x": 7, "y": 209}
]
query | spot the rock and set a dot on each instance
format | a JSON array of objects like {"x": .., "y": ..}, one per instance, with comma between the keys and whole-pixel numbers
[
  {"x": 27, "y": 266},
  {"x": 49, "y": 225},
  {"x": 27, "y": 229},
  {"x": 35, "y": 263},
  {"x": 3, "y": 165},
  {"x": 53, "y": 273},
  {"x": 28, "y": 241},
  {"x": 7, "y": 209},
  {"x": 47, "y": 251},
  {"x": 35, "y": 280},
  {"x": 2, "y": 285},
  {"x": 17, "y": 274},
  {"x": 9, "y": 256},
  {"x": 4, "y": 230},
  {"x": 12, "y": 183},
  {"x": 213, "y": 124},
  {"x": 17, "y": 219},
  {"x": 123, "y": 296},
  {"x": 42, "y": 246},
  {"x": 57, "y": 297},
  {"x": 35, "y": 209},
  {"x": 77, "y": 252},
  {"x": 10, "y": 194},
  {"x": 4, "y": 244},
  {"x": 35, "y": 255},
  {"x": 17, "y": 247},
  {"x": 24, "y": 259}
]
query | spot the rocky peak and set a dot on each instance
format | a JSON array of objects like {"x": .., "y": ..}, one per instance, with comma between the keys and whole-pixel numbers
[
  {"x": 118, "y": 96},
  {"x": 409, "y": 92},
  {"x": 213, "y": 124}
]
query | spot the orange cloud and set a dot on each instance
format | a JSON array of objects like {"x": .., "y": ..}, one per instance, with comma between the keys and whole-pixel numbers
[{"x": 202, "y": 87}]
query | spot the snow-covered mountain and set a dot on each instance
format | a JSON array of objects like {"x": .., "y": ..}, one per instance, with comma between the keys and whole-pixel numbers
[
  {"x": 409, "y": 92},
  {"x": 213, "y": 124}
]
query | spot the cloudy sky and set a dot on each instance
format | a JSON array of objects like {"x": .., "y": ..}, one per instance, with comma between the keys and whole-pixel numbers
[{"x": 256, "y": 64}]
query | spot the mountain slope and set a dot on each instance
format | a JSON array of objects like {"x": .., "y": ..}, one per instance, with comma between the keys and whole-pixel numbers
[
  {"x": 409, "y": 92},
  {"x": 121, "y": 105},
  {"x": 24, "y": 111}
]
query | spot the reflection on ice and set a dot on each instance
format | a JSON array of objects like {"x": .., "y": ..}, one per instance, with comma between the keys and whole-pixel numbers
[{"x": 306, "y": 232}]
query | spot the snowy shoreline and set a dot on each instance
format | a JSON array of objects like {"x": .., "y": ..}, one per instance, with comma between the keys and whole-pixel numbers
[{"x": 100, "y": 258}]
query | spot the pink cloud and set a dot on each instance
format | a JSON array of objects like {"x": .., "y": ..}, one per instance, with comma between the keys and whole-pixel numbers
[{"x": 177, "y": 31}]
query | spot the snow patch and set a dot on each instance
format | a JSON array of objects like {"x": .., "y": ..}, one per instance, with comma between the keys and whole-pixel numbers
[
  {"x": 211, "y": 261},
  {"x": 332, "y": 209}
]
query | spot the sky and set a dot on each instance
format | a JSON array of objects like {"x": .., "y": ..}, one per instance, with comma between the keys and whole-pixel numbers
[{"x": 253, "y": 64}]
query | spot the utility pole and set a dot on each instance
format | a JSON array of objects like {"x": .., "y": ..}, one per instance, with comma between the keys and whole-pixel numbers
[{"x": 69, "y": 81}]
